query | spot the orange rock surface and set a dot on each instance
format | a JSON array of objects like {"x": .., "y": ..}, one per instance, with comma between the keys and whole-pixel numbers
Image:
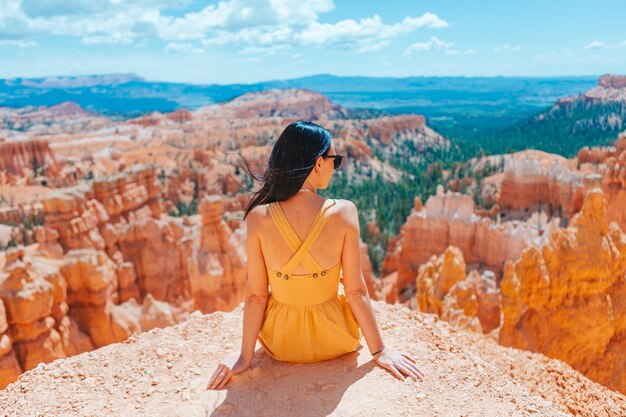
[
  {"x": 219, "y": 275},
  {"x": 25, "y": 157},
  {"x": 54, "y": 308},
  {"x": 566, "y": 298}
]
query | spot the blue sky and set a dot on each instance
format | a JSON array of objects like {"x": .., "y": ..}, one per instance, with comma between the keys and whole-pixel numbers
[{"x": 254, "y": 40}]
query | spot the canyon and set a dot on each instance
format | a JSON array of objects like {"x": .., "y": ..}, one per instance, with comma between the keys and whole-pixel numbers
[{"x": 101, "y": 246}]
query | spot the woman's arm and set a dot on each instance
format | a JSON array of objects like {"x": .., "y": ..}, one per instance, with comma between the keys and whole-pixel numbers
[
  {"x": 354, "y": 284},
  {"x": 397, "y": 362},
  {"x": 256, "y": 293}
]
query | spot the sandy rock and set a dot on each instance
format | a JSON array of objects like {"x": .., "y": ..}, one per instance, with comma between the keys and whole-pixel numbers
[
  {"x": 166, "y": 371},
  {"x": 384, "y": 128}
]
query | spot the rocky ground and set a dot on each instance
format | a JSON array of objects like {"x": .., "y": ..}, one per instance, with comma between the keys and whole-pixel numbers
[{"x": 165, "y": 372}]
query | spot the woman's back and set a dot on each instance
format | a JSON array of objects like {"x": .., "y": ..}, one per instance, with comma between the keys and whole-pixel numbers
[
  {"x": 307, "y": 318},
  {"x": 299, "y": 213}
]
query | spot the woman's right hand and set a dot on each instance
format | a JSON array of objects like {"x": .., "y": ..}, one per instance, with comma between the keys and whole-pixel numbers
[
  {"x": 399, "y": 362},
  {"x": 229, "y": 366}
]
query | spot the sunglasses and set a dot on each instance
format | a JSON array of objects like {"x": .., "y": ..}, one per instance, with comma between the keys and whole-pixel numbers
[{"x": 336, "y": 160}]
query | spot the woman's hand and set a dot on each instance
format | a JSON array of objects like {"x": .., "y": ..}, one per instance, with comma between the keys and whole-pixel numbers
[
  {"x": 229, "y": 366},
  {"x": 397, "y": 362}
]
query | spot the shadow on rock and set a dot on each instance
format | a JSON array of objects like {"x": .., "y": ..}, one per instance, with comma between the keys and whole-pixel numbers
[{"x": 274, "y": 388}]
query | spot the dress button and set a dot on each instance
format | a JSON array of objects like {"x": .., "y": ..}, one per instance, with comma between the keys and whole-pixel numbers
[
  {"x": 315, "y": 275},
  {"x": 278, "y": 274},
  {"x": 323, "y": 273},
  {"x": 286, "y": 276}
]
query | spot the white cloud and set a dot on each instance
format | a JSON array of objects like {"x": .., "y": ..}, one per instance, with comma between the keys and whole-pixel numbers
[
  {"x": 19, "y": 43},
  {"x": 469, "y": 52},
  {"x": 265, "y": 50},
  {"x": 596, "y": 45},
  {"x": 183, "y": 47},
  {"x": 251, "y": 23},
  {"x": 375, "y": 45},
  {"x": 297, "y": 11},
  {"x": 506, "y": 48},
  {"x": 433, "y": 44},
  {"x": 115, "y": 38},
  {"x": 251, "y": 36},
  {"x": 603, "y": 45},
  {"x": 368, "y": 34}
]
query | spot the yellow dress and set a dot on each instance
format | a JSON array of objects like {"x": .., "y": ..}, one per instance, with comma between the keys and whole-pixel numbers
[{"x": 308, "y": 318}]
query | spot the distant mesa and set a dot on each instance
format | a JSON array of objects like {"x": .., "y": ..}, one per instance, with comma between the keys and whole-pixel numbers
[
  {"x": 611, "y": 88},
  {"x": 81, "y": 81},
  {"x": 612, "y": 81}
]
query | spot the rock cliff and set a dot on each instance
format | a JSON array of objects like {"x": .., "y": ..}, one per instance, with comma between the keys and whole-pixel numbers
[{"x": 165, "y": 372}]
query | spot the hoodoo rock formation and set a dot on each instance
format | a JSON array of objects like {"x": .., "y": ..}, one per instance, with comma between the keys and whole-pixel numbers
[
  {"x": 470, "y": 301},
  {"x": 537, "y": 178},
  {"x": 563, "y": 296},
  {"x": 27, "y": 158},
  {"x": 566, "y": 299},
  {"x": 448, "y": 219},
  {"x": 54, "y": 308}
]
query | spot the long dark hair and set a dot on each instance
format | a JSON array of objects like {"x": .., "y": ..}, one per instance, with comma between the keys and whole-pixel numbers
[{"x": 291, "y": 161}]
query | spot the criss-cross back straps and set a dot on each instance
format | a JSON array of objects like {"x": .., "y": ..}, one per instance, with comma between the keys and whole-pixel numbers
[{"x": 301, "y": 249}]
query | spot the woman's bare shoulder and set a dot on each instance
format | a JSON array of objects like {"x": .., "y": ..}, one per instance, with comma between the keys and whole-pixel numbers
[
  {"x": 346, "y": 210},
  {"x": 256, "y": 214},
  {"x": 343, "y": 204}
]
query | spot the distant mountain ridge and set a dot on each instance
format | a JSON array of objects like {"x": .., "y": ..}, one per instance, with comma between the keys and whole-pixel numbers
[
  {"x": 130, "y": 94},
  {"x": 78, "y": 81}
]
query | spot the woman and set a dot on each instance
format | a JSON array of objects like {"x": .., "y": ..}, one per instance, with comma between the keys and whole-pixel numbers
[{"x": 315, "y": 311}]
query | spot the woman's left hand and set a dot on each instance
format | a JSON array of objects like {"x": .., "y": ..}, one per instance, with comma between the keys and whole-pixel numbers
[
  {"x": 399, "y": 362},
  {"x": 229, "y": 366}
]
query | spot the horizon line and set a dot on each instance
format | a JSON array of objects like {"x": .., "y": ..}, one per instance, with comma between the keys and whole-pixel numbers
[{"x": 142, "y": 78}]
